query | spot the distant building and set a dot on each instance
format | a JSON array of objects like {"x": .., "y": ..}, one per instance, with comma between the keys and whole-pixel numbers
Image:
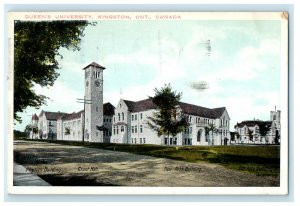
[
  {"x": 242, "y": 134},
  {"x": 126, "y": 123}
]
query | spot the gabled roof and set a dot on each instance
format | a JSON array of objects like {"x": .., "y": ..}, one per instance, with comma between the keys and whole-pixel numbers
[
  {"x": 71, "y": 116},
  {"x": 35, "y": 117},
  {"x": 250, "y": 123},
  {"x": 108, "y": 109},
  {"x": 190, "y": 109},
  {"x": 53, "y": 115},
  {"x": 94, "y": 64},
  {"x": 201, "y": 111}
]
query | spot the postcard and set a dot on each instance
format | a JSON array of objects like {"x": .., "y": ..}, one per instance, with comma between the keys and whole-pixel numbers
[{"x": 148, "y": 103}]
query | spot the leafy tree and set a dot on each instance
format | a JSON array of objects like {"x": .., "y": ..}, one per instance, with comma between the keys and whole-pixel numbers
[
  {"x": 67, "y": 131},
  {"x": 168, "y": 120},
  {"x": 211, "y": 128},
  {"x": 250, "y": 133},
  {"x": 264, "y": 128},
  {"x": 36, "y": 47},
  {"x": 30, "y": 128}
]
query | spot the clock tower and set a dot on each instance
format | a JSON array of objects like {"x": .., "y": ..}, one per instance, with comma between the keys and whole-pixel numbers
[{"x": 93, "y": 107}]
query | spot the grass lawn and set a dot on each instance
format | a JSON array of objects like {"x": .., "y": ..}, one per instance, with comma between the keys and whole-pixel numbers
[{"x": 259, "y": 160}]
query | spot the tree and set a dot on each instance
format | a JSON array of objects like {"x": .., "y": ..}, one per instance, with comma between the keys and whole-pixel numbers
[
  {"x": 36, "y": 47},
  {"x": 211, "y": 128},
  {"x": 30, "y": 128},
  {"x": 264, "y": 128},
  {"x": 168, "y": 120},
  {"x": 250, "y": 133}
]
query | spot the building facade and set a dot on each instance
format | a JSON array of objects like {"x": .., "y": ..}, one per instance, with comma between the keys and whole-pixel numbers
[
  {"x": 127, "y": 123},
  {"x": 130, "y": 125},
  {"x": 248, "y": 132}
]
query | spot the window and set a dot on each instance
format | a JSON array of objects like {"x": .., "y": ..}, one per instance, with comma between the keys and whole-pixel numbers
[
  {"x": 104, "y": 120},
  {"x": 132, "y": 129},
  {"x": 109, "y": 133},
  {"x": 132, "y": 117},
  {"x": 166, "y": 141},
  {"x": 199, "y": 135},
  {"x": 122, "y": 115},
  {"x": 117, "y": 130},
  {"x": 114, "y": 130},
  {"x": 144, "y": 140},
  {"x": 135, "y": 129},
  {"x": 122, "y": 128},
  {"x": 171, "y": 141},
  {"x": 132, "y": 140},
  {"x": 135, "y": 140},
  {"x": 119, "y": 117},
  {"x": 120, "y": 105},
  {"x": 97, "y": 109},
  {"x": 141, "y": 140},
  {"x": 114, "y": 119},
  {"x": 191, "y": 130},
  {"x": 135, "y": 117},
  {"x": 141, "y": 115},
  {"x": 141, "y": 128},
  {"x": 274, "y": 117},
  {"x": 175, "y": 141},
  {"x": 190, "y": 120}
]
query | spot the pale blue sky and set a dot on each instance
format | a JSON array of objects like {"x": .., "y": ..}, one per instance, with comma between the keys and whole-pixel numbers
[{"x": 243, "y": 70}]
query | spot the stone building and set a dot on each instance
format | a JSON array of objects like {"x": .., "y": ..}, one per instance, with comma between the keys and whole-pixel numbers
[
  {"x": 247, "y": 132},
  {"x": 127, "y": 123},
  {"x": 130, "y": 125}
]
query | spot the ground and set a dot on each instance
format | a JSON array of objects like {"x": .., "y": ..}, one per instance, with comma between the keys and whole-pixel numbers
[{"x": 65, "y": 165}]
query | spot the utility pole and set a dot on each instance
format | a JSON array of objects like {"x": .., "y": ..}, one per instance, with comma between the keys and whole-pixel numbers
[{"x": 84, "y": 101}]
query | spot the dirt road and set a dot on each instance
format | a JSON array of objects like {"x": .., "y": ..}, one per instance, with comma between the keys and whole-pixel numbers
[{"x": 71, "y": 166}]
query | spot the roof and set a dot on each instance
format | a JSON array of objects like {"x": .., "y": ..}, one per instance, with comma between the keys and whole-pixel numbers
[
  {"x": 35, "y": 117},
  {"x": 53, "y": 115},
  {"x": 71, "y": 116},
  {"x": 250, "y": 123},
  {"x": 190, "y": 109},
  {"x": 201, "y": 111},
  {"x": 108, "y": 109},
  {"x": 119, "y": 123},
  {"x": 94, "y": 64}
]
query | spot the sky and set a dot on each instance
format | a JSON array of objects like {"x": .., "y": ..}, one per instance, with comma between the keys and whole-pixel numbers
[{"x": 241, "y": 72}]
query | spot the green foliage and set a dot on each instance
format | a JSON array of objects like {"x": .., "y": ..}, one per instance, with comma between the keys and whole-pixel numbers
[
  {"x": 264, "y": 128},
  {"x": 19, "y": 135},
  {"x": 250, "y": 133},
  {"x": 30, "y": 128},
  {"x": 168, "y": 120},
  {"x": 36, "y": 47},
  {"x": 67, "y": 131}
]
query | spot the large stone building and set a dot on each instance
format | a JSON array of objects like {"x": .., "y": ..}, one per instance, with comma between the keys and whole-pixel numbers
[
  {"x": 127, "y": 123},
  {"x": 130, "y": 125},
  {"x": 248, "y": 132}
]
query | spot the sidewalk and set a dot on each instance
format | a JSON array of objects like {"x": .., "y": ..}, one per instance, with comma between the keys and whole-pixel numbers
[{"x": 25, "y": 178}]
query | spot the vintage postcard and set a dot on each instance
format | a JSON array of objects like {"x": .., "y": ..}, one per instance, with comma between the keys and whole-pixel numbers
[{"x": 148, "y": 103}]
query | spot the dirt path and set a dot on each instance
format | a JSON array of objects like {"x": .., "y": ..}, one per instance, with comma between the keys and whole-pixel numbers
[{"x": 71, "y": 166}]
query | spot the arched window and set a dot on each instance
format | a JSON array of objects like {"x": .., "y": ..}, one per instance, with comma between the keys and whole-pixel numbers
[
  {"x": 122, "y": 115},
  {"x": 119, "y": 117},
  {"x": 122, "y": 128},
  {"x": 199, "y": 135}
]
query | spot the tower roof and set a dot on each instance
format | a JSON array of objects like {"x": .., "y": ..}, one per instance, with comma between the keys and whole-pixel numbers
[
  {"x": 35, "y": 117},
  {"x": 94, "y": 64}
]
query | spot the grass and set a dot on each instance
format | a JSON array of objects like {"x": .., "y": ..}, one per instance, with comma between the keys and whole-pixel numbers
[{"x": 259, "y": 160}]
